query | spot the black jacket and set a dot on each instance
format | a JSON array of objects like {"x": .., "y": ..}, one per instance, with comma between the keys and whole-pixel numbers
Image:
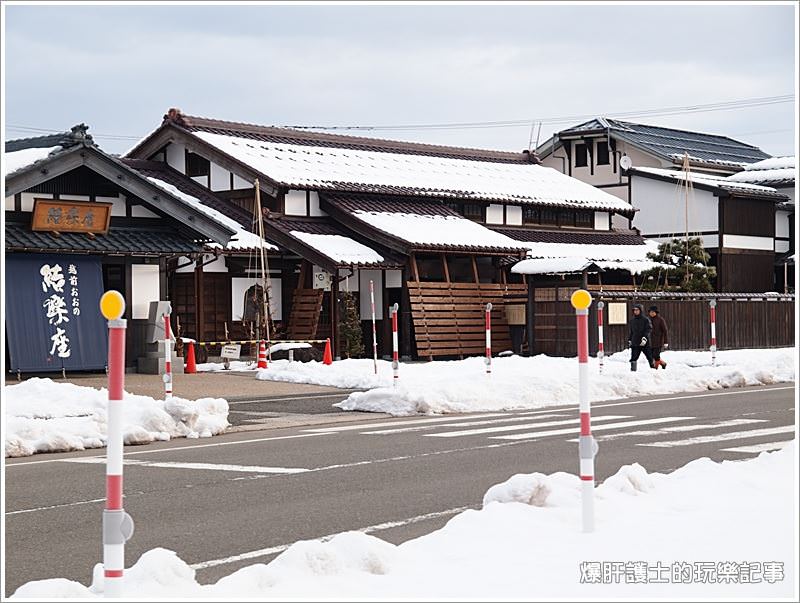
[{"x": 638, "y": 327}]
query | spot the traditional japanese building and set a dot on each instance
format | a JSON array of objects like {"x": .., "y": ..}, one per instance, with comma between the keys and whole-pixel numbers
[
  {"x": 77, "y": 222},
  {"x": 432, "y": 228}
]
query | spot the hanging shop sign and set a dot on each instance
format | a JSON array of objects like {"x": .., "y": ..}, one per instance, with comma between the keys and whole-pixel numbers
[{"x": 56, "y": 215}]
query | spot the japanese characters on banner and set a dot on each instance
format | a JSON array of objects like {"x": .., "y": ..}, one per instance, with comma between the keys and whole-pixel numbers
[{"x": 46, "y": 327}]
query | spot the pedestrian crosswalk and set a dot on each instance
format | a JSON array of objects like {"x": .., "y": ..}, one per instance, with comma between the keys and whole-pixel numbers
[{"x": 657, "y": 432}]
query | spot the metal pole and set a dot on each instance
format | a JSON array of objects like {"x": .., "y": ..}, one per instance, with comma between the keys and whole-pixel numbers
[
  {"x": 167, "y": 360},
  {"x": 488, "y": 338},
  {"x": 587, "y": 446},
  {"x": 374, "y": 336},
  {"x": 713, "y": 306},
  {"x": 395, "y": 351},
  {"x": 600, "y": 351},
  {"x": 117, "y": 524}
]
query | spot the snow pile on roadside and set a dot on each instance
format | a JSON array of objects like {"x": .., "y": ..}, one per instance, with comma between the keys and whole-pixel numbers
[
  {"x": 701, "y": 530},
  {"x": 44, "y": 416},
  {"x": 251, "y": 365},
  {"x": 523, "y": 383}
]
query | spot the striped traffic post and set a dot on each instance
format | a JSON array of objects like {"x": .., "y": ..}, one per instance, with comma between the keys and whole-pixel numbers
[
  {"x": 374, "y": 335},
  {"x": 167, "y": 359},
  {"x": 488, "y": 338},
  {"x": 395, "y": 351},
  {"x": 117, "y": 524},
  {"x": 713, "y": 306},
  {"x": 600, "y": 351},
  {"x": 587, "y": 446}
]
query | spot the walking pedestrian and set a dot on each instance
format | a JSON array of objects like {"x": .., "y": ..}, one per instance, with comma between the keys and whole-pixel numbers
[
  {"x": 659, "y": 339},
  {"x": 639, "y": 330}
]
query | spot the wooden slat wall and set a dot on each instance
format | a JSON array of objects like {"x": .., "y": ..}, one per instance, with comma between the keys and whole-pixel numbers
[
  {"x": 449, "y": 317},
  {"x": 306, "y": 308}
]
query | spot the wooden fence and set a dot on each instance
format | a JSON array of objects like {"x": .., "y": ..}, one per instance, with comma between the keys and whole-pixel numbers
[{"x": 750, "y": 321}]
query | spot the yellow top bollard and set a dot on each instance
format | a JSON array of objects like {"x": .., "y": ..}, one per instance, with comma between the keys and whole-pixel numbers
[
  {"x": 581, "y": 299},
  {"x": 112, "y": 305}
]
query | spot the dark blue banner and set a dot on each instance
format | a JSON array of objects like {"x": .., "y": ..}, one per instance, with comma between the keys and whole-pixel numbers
[{"x": 53, "y": 318}]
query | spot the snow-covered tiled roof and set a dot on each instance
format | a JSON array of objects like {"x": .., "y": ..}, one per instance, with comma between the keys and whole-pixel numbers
[
  {"x": 341, "y": 249},
  {"x": 772, "y": 171},
  {"x": 564, "y": 258},
  {"x": 426, "y": 230},
  {"x": 17, "y": 160},
  {"x": 709, "y": 180},
  {"x": 243, "y": 239},
  {"x": 344, "y": 169}
]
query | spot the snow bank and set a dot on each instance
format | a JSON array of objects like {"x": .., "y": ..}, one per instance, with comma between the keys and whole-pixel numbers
[
  {"x": 44, "y": 416},
  {"x": 523, "y": 383},
  {"x": 518, "y": 546}
]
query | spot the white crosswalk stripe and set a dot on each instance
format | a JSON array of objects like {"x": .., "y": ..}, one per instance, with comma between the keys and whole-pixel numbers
[
  {"x": 401, "y": 422},
  {"x": 736, "y": 435},
  {"x": 757, "y": 448},
  {"x": 485, "y": 430},
  {"x": 674, "y": 429},
  {"x": 461, "y": 424},
  {"x": 534, "y": 435}
]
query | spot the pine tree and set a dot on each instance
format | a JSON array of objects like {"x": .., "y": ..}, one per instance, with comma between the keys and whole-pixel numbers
[
  {"x": 694, "y": 275},
  {"x": 350, "y": 327}
]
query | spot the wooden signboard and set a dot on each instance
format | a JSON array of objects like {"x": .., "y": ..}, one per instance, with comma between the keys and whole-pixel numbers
[{"x": 57, "y": 215}]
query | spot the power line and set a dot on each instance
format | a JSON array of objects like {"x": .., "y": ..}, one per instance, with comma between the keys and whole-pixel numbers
[
  {"x": 666, "y": 111},
  {"x": 660, "y": 112}
]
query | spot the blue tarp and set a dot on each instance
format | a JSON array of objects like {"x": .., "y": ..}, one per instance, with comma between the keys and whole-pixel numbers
[{"x": 53, "y": 318}]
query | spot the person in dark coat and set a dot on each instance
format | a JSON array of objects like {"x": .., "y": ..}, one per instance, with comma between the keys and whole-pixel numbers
[
  {"x": 639, "y": 330},
  {"x": 659, "y": 338}
]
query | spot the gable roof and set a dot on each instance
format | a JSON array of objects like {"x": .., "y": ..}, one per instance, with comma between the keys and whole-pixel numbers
[
  {"x": 669, "y": 144},
  {"x": 76, "y": 150},
  {"x": 776, "y": 171},
  {"x": 304, "y": 160}
]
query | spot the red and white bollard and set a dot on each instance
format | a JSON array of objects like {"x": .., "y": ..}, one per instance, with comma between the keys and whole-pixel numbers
[
  {"x": 167, "y": 359},
  {"x": 395, "y": 350},
  {"x": 600, "y": 351},
  {"x": 587, "y": 446},
  {"x": 713, "y": 306},
  {"x": 117, "y": 524},
  {"x": 488, "y": 338},
  {"x": 374, "y": 335}
]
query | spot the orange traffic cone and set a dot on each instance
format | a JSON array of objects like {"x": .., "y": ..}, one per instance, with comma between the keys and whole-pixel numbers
[
  {"x": 191, "y": 367},
  {"x": 262, "y": 354},
  {"x": 327, "y": 357}
]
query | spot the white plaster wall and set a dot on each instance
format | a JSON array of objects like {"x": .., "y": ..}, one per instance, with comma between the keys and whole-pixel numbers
[
  {"x": 661, "y": 208},
  {"x": 75, "y": 198},
  {"x": 27, "y": 199},
  {"x": 185, "y": 269},
  {"x": 313, "y": 204},
  {"x": 494, "y": 214},
  {"x": 295, "y": 203},
  {"x": 144, "y": 288},
  {"x": 217, "y": 265},
  {"x": 176, "y": 156},
  {"x": 514, "y": 215},
  {"x": 117, "y": 204},
  {"x": 781, "y": 246},
  {"x": 138, "y": 211},
  {"x": 781, "y": 223},
  {"x": 601, "y": 220},
  {"x": 747, "y": 242},
  {"x": 240, "y": 183},
  {"x": 220, "y": 178},
  {"x": 349, "y": 283},
  {"x": 708, "y": 241},
  {"x": 365, "y": 306}
]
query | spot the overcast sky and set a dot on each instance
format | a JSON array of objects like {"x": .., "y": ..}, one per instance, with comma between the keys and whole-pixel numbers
[{"x": 119, "y": 68}]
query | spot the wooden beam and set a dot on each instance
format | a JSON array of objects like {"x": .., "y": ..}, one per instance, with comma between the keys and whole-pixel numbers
[{"x": 446, "y": 269}]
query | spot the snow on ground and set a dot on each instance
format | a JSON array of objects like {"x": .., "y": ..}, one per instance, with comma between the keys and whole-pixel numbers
[
  {"x": 517, "y": 382},
  {"x": 42, "y": 415},
  {"x": 701, "y": 531},
  {"x": 248, "y": 365}
]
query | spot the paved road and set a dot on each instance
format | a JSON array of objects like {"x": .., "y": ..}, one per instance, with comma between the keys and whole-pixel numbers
[{"x": 398, "y": 478}]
